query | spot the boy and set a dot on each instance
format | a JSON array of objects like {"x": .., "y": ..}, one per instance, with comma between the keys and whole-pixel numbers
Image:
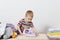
[{"x": 26, "y": 23}]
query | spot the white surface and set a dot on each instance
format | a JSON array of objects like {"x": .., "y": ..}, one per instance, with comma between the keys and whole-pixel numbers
[
  {"x": 40, "y": 37},
  {"x": 47, "y": 12}
]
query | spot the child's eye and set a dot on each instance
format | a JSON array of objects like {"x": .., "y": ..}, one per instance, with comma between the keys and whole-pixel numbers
[{"x": 31, "y": 16}]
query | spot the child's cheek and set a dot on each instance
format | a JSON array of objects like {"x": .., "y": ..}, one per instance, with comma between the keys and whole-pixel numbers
[{"x": 29, "y": 20}]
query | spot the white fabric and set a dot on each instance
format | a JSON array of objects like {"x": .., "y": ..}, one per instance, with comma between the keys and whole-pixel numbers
[
  {"x": 2, "y": 27},
  {"x": 8, "y": 33}
]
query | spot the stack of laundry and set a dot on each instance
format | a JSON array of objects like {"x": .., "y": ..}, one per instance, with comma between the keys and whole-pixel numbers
[{"x": 54, "y": 32}]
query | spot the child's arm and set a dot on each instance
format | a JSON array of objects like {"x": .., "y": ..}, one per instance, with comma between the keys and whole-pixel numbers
[
  {"x": 19, "y": 30},
  {"x": 35, "y": 31},
  {"x": 18, "y": 27}
]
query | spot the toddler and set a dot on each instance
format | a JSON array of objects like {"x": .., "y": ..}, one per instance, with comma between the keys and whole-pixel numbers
[{"x": 25, "y": 26}]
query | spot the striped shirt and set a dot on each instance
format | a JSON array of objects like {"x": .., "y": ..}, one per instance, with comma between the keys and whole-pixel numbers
[{"x": 23, "y": 24}]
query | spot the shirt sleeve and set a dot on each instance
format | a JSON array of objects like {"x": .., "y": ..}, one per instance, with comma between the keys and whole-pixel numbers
[
  {"x": 19, "y": 23},
  {"x": 32, "y": 25}
]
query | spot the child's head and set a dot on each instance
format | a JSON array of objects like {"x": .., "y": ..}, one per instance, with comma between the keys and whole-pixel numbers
[{"x": 29, "y": 15}]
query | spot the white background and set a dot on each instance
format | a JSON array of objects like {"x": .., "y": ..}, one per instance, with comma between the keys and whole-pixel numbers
[{"x": 46, "y": 12}]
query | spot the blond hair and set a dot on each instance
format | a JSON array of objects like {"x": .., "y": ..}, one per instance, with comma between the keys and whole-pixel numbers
[{"x": 29, "y": 12}]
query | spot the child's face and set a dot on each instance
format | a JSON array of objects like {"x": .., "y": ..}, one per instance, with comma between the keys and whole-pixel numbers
[{"x": 29, "y": 18}]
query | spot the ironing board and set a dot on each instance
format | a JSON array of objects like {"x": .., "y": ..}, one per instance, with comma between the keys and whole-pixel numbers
[{"x": 40, "y": 37}]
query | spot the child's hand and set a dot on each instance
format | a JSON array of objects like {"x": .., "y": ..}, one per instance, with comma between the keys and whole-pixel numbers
[
  {"x": 36, "y": 33},
  {"x": 21, "y": 33}
]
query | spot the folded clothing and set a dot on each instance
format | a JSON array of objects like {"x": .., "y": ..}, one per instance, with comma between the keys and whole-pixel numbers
[
  {"x": 8, "y": 33},
  {"x": 54, "y": 32}
]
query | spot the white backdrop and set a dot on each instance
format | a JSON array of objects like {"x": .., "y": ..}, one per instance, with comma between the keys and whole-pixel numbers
[{"x": 46, "y": 12}]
